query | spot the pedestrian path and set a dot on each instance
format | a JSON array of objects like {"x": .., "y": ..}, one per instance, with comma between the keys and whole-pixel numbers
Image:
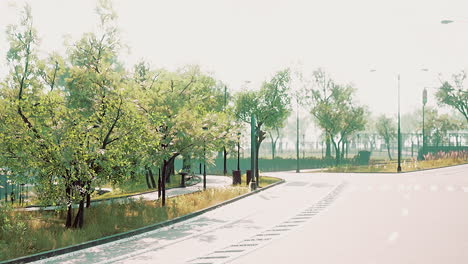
[{"x": 212, "y": 181}]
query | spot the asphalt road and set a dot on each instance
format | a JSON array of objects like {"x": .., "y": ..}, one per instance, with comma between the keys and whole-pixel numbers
[{"x": 419, "y": 217}]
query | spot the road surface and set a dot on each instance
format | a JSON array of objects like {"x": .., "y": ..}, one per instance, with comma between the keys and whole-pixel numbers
[{"x": 419, "y": 217}]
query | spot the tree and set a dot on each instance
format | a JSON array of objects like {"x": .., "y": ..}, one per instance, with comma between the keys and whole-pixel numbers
[
  {"x": 386, "y": 128},
  {"x": 269, "y": 105},
  {"x": 455, "y": 94},
  {"x": 437, "y": 127},
  {"x": 176, "y": 106},
  {"x": 334, "y": 110},
  {"x": 274, "y": 134},
  {"x": 68, "y": 124}
]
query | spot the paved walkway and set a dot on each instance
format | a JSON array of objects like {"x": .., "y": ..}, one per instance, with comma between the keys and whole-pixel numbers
[{"x": 212, "y": 181}]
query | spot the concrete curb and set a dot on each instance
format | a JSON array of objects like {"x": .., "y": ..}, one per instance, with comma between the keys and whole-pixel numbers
[{"x": 100, "y": 241}]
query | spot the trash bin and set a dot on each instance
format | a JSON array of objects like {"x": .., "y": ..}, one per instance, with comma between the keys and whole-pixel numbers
[
  {"x": 182, "y": 178},
  {"x": 249, "y": 176},
  {"x": 236, "y": 177}
]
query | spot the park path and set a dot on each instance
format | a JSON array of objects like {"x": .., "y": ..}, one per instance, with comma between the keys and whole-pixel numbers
[{"x": 212, "y": 181}]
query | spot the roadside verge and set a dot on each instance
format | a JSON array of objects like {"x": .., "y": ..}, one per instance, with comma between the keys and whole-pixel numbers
[{"x": 107, "y": 239}]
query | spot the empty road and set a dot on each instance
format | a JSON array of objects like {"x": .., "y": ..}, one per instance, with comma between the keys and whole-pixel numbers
[{"x": 419, "y": 217}]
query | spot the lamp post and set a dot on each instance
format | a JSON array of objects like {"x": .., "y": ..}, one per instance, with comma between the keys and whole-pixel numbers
[
  {"x": 297, "y": 135},
  {"x": 253, "y": 154},
  {"x": 399, "y": 131},
  {"x": 238, "y": 150},
  {"x": 423, "y": 114},
  {"x": 204, "y": 159}
]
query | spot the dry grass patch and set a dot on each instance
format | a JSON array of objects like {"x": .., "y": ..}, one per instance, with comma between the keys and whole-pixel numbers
[{"x": 25, "y": 233}]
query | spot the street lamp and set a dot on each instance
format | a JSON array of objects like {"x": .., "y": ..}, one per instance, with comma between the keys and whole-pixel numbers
[
  {"x": 423, "y": 113},
  {"x": 204, "y": 159},
  {"x": 399, "y": 131},
  {"x": 399, "y": 122},
  {"x": 297, "y": 135},
  {"x": 238, "y": 150}
]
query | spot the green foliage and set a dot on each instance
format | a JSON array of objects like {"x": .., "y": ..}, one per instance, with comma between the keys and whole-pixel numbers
[
  {"x": 334, "y": 110},
  {"x": 455, "y": 94},
  {"x": 386, "y": 128}
]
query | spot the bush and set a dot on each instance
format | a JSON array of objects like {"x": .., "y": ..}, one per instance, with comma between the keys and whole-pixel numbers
[{"x": 362, "y": 158}]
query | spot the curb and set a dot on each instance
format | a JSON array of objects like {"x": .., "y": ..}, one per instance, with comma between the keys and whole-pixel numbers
[{"x": 111, "y": 238}]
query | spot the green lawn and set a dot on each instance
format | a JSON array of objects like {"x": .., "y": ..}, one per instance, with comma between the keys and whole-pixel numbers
[{"x": 406, "y": 165}]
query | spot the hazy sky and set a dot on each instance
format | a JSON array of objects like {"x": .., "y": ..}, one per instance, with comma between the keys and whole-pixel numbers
[{"x": 240, "y": 40}]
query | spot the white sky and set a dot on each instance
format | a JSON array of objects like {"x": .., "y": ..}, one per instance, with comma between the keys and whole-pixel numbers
[{"x": 241, "y": 40}]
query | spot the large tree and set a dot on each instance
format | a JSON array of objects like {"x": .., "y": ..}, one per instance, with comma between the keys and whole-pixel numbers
[
  {"x": 270, "y": 106},
  {"x": 334, "y": 110},
  {"x": 455, "y": 94},
  {"x": 386, "y": 129},
  {"x": 176, "y": 107},
  {"x": 68, "y": 122}
]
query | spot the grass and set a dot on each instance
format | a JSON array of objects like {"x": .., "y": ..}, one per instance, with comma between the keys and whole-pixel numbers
[
  {"x": 264, "y": 180},
  {"x": 139, "y": 187},
  {"x": 130, "y": 188},
  {"x": 431, "y": 161},
  {"x": 25, "y": 233}
]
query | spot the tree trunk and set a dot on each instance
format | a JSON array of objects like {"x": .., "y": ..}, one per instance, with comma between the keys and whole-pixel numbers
[
  {"x": 224, "y": 161},
  {"x": 68, "y": 222},
  {"x": 159, "y": 184},
  {"x": 163, "y": 182},
  {"x": 328, "y": 147},
  {"x": 88, "y": 200},
  {"x": 151, "y": 177},
  {"x": 388, "y": 151},
  {"x": 148, "y": 184},
  {"x": 79, "y": 219},
  {"x": 88, "y": 194},
  {"x": 337, "y": 151}
]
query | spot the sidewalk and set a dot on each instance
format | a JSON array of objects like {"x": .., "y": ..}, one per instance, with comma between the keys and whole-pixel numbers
[{"x": 212, "y": 181}]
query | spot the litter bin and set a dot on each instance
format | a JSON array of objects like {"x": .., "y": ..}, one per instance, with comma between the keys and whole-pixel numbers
[
  {"x": 182, "y": 178},
  {"x": 236, "y": 177}
]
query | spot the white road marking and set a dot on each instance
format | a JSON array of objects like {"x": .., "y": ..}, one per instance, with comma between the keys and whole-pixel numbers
[
  {"x": 450, "y": 188},
  {"x": 417, "y": 187},
  {"x": 370, "y": 188},
  {"x": 407, "y": 196},
  {"x": 404, "y": 212},
  {"x": 393, "y": 237},
  {"x": 465, "y": 189},
  {"x": 434, "y": 188}
]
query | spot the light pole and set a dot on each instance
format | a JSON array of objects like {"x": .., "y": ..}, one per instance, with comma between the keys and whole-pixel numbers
[
  {"x": 204, "y": 159},
  {"x": 399, "y": 131},
  {"x": 297, "y": 135},
  {"x": 423, "y": 113},
  {"x": 238, "y": 150},
  {"x": 253, "y": 154}
]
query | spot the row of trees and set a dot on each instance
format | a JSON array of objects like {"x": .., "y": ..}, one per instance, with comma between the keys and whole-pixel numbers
[{"x": 72, "y": 122}]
